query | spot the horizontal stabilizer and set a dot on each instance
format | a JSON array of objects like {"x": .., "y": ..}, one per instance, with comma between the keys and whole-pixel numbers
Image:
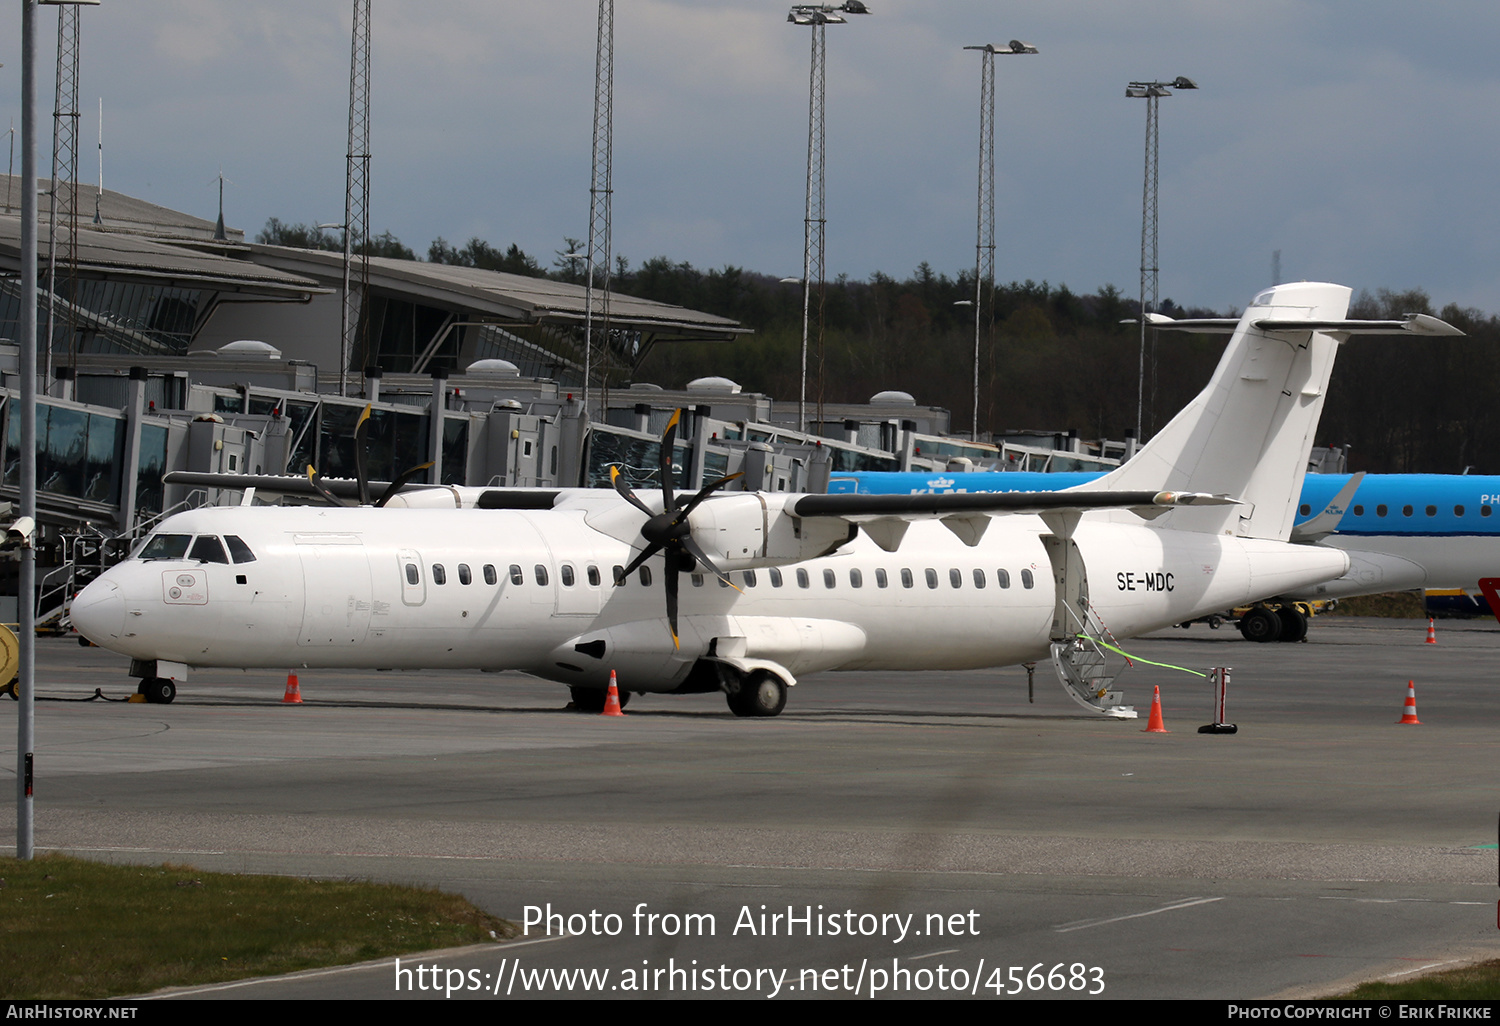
[{"x": 1415, "y": 324}]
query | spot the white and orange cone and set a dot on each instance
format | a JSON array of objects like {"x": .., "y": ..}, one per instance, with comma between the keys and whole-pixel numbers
[
  {"x": 1409, "y": 714},
  {"x": 1431, "y": 633},
  {"x": 293, "y": 694},
  {"x": 1154, "y": 725},
  {"x": 612, "y": 700}
]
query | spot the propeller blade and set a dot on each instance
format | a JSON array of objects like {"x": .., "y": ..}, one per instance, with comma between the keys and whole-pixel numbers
[
  {"x": 704, "y": 493},
  {"x": 673, "y": 572},
  {"x": 618, "y": 480},
  {"x": 400, "y": 482},
  {"x": 696, "y": 551},
  {"x": 667, "y": 438},
  {"x": 635, "y": 563},
  {"x": 316, "y": 480},
  {"x": 361, "y": 472}
]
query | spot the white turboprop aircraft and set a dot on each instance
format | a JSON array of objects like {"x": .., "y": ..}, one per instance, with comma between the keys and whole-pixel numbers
[{"x": 566, "y": 585}]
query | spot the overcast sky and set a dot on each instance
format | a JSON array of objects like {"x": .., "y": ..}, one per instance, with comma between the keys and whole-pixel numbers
[{"x": 1356, "y": 137}]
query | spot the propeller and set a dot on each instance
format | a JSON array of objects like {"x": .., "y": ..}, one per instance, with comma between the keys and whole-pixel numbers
[
  {"x": 361, "y": 432},
  {"x": 668, "y": 532}
]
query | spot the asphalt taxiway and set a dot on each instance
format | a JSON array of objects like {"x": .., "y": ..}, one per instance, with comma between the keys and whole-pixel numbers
[{"x": 1323, "y": 842}]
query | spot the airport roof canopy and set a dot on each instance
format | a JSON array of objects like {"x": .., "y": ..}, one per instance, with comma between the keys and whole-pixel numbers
[
  {"x": 505, "y": 298},
  {"x": 114, "y": 256}
]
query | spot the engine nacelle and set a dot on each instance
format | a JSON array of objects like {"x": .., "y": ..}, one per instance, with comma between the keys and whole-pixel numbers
[{"x": 746, "y": 530}]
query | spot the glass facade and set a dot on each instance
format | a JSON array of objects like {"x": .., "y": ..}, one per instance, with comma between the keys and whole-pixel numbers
[{"x": 78, "y": 453}]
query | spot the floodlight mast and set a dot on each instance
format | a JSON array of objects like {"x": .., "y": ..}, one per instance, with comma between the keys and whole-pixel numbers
[
  {"x": 601, "y": 190},
  {"x": 1151, "y": 92},
  {"x": 356, "y": 194},
  {"x": 984, "y": 246},
  {"x": 816, "y": 16},
  {"x": 63, "y": 192}
]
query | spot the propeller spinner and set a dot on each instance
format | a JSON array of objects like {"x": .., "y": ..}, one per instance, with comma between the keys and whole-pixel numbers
[{"x": 669, "y": 532}]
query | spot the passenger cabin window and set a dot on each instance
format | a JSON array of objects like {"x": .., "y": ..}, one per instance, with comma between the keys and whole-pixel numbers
[
  {"x": 978, "y": 578},
  {"x": 618, "y": 574},
  {"x": 749, "y": 578},
  {"x": 645, "y": 577},
  {"x": 956, "y": 578},
  {"x": 802, "y": 579},
  {"x": 931, "y": 575},
  {"x": 1027, "y": 581},
  {"x": 906, "y": 581},
  {"x": 1002, "y": 578},
  {"x": 1432, "y": 511},
  {"x": 439, "y": 575},
  {"x": 1304, "y": 509},
  {"x": 208, "y": 549},
  {"x": 490, "y": 577},
  {"x": 1359, "y": 511},
  {"x": 1458, "y": 511},
  {"x": 697, "y": 580},
  {"x": 881, "y": 581},
  {"x": 1406, "y": 511},
  {"x": 516, "y": 576},
  {"x": 166, "y": 546},
  {"x": 413, "y": 576},
  {"x": 1484, "y": 511},
  {"x": 856, "y": 579},
  {"x": 238, "y": 549},
  {"x": 464, "y": 576},
  {"x": 567, "y": 575},
  {"x": 593, "y": 576},
  {"x": 775, "y": 577},
  {"x": 541, "y": 574},
  {"x": 1381, "y": 510},
  {"x": 829, "y": 579}
]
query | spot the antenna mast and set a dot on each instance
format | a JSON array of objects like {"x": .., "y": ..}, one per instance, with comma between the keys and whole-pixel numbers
[
  {"x": 601, "y": 189},
  {"x": 64, "y": 190},
  {"x": 356, "y": 193}
]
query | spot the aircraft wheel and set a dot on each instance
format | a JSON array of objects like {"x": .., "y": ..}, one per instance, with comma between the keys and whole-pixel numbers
[
  {"x": 1293, "y": 624},
  {"x": 1215, "y": 622},
  {"x": 761, "y": 694},
  {"x": 160, "y": 690},
  {"x": 1260, "y": 624}
]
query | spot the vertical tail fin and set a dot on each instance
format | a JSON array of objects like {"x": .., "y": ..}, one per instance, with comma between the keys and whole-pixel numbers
[{"x": 1249, "y": 433}]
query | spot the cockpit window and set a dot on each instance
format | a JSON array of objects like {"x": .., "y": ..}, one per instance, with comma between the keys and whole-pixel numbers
[
  {"x": 166, "y": 546},
  {"x": 208, "y": 549},
  {"x": 238, "y": 549}
]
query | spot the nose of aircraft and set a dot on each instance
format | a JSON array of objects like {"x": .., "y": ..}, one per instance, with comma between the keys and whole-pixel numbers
[{"x": 98, "y": 612}]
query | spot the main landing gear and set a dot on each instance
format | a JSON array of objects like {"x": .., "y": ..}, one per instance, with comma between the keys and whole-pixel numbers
[
  {"x": 760, "y": 693},
  {"x": 158, "y": 690},
  {"x": 1288, "y": 623}
]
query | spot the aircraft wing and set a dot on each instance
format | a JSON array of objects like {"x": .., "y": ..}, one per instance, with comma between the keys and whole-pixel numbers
[{"x": 885, "y": 517}]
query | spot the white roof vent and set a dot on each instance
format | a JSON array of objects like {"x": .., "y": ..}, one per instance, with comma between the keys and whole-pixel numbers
[
  {"x": 714, "y": 384},
  {"x": 891, "y": 397},
  {"x": 250, "y": 349},
  {"x": 644, "y": 386},
  {"x": 494, "y": 367}
]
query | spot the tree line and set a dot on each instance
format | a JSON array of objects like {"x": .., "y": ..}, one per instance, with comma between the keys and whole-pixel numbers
[{"x": 1050, "y": 358}]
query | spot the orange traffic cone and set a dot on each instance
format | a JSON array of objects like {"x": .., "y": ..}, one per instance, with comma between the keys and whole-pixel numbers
[
  {"x": 1409, "y": 714},
  {"x": 612, "y": 700},
  {"x": 1431, "y": 634},
  {"x": 293, "y": 694},
  {"x": 1155, "y": 725}
]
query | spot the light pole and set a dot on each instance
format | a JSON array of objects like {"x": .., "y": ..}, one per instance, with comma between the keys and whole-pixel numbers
[
  {"x": 1151, "y": 92},
  {"x": 984, "y": 245},
  {"x": 815, "y": 16}
]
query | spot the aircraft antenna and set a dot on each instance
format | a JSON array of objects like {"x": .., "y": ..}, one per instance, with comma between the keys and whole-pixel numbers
[
  {"x": 356, "y": 195},
  {"x": 601, "y": 192}
]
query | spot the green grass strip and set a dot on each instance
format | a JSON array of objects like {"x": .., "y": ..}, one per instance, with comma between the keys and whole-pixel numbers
[
  {"x": 1138, "y": 659},
  {"x": 70, "y": 928},
  {"x": 1480, "y": 982}
]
